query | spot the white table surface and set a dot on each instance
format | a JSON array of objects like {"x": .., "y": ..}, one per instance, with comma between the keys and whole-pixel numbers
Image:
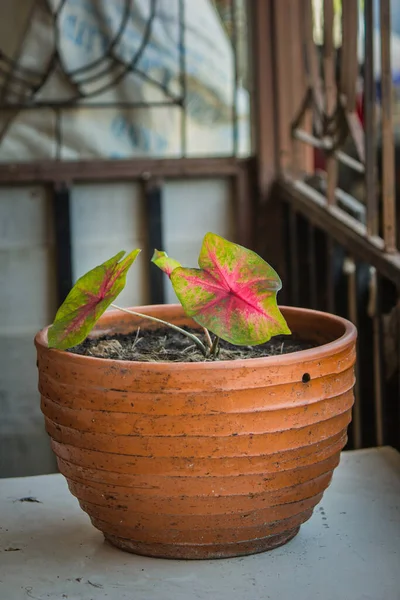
[{"x": 349, "y": 550}]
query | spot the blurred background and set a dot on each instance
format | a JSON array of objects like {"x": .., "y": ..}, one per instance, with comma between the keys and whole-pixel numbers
[{"x": 147, "y": 123}]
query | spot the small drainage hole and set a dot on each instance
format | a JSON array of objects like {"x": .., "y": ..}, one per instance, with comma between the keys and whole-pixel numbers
[{"x": 306, "y": 378}]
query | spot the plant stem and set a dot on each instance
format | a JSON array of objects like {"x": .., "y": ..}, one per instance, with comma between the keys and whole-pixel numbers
[
  {"x": 208, "y": 337},
  {"x": 194, "y": 338},
  {"x": 215, "y": 346}
]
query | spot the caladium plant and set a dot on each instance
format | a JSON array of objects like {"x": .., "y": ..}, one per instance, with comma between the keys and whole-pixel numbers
[
  {"x": 91, "y": 295},
  {"x": 232, "y": 295}
]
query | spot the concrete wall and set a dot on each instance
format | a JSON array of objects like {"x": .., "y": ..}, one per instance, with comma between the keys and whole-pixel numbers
[{"x": 27, "y": 302}]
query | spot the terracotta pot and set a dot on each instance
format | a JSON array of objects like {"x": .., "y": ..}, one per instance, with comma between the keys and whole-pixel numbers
[{"x": 200, "y": 460}]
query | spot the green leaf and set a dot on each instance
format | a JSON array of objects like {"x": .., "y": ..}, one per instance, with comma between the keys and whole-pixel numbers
[
  {"x": 91, "y": 295},
  {"x": 164, "y": 262},
  {"x": 233, "y": 294}
]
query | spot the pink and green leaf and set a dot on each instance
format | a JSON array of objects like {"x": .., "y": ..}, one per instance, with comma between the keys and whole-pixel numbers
[
  {"x": 233, "y": 293},
  {"x": 164, "y": 262},
  {"x": 91, "y": 295}
]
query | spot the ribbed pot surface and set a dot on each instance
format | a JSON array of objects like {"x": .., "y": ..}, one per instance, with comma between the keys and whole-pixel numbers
[{"x": 200, "y": 460}]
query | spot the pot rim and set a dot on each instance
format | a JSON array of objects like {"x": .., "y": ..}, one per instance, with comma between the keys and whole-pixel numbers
[{"x": 319, "y": 352}]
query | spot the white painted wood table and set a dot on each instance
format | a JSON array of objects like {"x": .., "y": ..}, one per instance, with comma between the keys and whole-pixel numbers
[{"x": 349, "y": 550}]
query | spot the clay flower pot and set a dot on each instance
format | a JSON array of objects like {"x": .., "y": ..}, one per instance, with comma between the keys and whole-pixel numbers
[{"x": 200, "y": 460}]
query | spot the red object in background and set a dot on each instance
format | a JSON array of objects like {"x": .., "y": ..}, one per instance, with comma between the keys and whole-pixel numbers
[
  {"x": 360, "y": 107},
  {"x": 319, "y": 155},
  {"x": 319, "y": 160}
]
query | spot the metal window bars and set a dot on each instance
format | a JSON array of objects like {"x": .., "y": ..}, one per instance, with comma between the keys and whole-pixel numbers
[
  {"x": 22, "y": 82},
  {"x": 360, "y": 226}
]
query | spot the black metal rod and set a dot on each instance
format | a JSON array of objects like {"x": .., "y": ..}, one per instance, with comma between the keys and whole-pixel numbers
[
  {"x": 312, "y": 264},
  {"x": 350, "y": 270},
  {"x": 153, "y": 195},
  {"x": 370, "y": 130},
  {"x": 62, "y": 229},
  {"x": 58, "y": 133},
  {"x": 378, "y": 351},
  {"x": 330, "y": 274},
  {"x": 398, "y": 372},
  {"x": 293, "y": 253}
]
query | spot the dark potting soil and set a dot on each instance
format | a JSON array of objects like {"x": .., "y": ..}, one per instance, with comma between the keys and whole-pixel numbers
[{"x": 167, "y": 345}]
